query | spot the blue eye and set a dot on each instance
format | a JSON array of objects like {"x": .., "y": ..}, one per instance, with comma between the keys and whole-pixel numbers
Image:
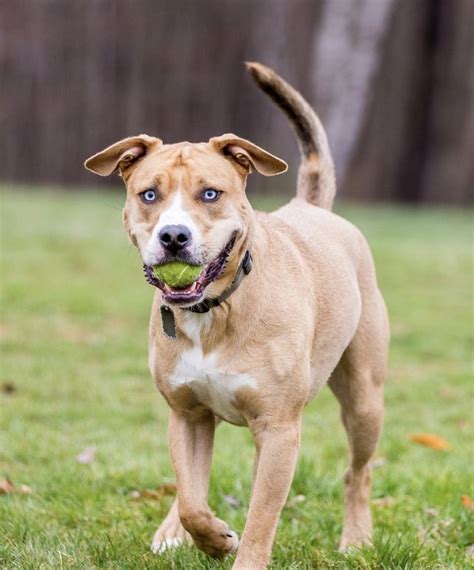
[
  {"x": 210, "y": 195},
  {"x": 149, "y": 196}
]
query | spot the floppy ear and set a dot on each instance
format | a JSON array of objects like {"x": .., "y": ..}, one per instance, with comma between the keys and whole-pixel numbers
[
  {"x": 249, "y": 155},
  {"x": 120, "y": 155}
]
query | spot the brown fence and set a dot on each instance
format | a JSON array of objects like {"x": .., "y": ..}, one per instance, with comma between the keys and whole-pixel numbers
[{"x": 391, "y": 79}]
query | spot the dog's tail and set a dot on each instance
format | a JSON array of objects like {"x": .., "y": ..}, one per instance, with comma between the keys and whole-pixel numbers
[{"x": 316, "y": 177}]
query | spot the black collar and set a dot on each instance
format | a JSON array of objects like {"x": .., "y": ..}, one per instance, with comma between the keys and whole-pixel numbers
[
  {"x": 244, "y": 269},
  {"x": 167, "y": 315}
]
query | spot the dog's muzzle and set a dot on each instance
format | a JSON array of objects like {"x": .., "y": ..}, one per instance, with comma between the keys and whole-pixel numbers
[{"x": 194, "y": 292}]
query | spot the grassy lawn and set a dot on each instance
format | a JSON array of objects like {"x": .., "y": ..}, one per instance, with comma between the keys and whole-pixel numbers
[{"x": 74, "y": 344}]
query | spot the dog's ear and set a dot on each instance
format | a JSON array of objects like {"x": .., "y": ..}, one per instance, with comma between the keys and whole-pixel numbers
[
  {"x": 121, "y": 155},
  {"x": 249, "y": 155}
]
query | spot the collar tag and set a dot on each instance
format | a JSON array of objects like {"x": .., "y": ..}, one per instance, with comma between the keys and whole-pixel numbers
[
  {"x": 168, "y": 322},
  {"x": 247, "y": 262}
]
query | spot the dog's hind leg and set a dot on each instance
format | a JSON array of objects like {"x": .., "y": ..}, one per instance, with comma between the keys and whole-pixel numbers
[
  {"x": 357, "y": 382},
  {"x": 170, "y": 533}
]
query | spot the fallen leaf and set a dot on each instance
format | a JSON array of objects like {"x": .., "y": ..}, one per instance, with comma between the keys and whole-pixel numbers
[
  {"x": 384, "y": 502},
  {"x": 232, "y": 501},
  {"x": 8, "y": 387},
  {"x": 467, "y": 503},
  {"x": 151, "y": 494},
  {"x": 86, "y": 456},
  {"x": 167, "y": 489},
  {"x": 295, "y": 500},
  {"x": 430, "y": 440},
  {"x": 6, "y": 487},
  {"x": 164, "y": 490}
]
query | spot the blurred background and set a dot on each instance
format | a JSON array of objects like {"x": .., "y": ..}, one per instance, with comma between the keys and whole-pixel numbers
[{"x": 392, "y": 81}]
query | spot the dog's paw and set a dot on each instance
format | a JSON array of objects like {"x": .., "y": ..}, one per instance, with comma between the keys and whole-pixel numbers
[
  {"x": 159, "y": 546},
  {"x": 216, "y": 538},
  {"x": 170, "y": 535}
]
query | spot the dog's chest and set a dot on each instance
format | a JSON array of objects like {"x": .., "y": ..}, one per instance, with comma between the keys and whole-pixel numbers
[{"x": 212, "y": 383}]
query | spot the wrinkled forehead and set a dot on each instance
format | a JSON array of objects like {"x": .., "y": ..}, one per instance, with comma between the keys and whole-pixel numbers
[{"x": 185, "y": 165}]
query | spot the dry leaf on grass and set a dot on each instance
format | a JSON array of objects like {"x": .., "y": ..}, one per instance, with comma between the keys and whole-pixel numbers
[
  {"x": 467, "y": 503},
  {"x": 167, "y": 489},
  {"x": 8, "y": 387},
  {"x": 430, "y": 440},
  {"x": 86, "y": 456},
  {"x": 6, "y": 487},
  {"x": 149, "y": 494},
  {"x": 164, "y": 490},
  {"x": 470, "y": 550}
]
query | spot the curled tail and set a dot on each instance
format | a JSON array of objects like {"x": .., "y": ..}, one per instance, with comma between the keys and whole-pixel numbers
[{"x": 316, "y": 178}]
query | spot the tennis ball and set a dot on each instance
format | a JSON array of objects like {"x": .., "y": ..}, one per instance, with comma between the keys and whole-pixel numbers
[{"x": 177, "y": 273}]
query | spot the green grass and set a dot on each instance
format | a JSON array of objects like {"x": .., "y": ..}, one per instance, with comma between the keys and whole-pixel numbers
[{"x": 74, "y": 342}]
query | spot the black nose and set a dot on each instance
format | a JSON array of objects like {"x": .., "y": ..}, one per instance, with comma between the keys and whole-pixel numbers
[{"x": 174, "y": 238}]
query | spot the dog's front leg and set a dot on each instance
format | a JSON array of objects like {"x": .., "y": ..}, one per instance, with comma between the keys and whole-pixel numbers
[
  {"x": 191, "y": 442},
  {"x": 277, "y": 448}
]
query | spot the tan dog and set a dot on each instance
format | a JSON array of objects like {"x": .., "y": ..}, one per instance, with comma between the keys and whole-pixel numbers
[{"x": 309, "y": 312}]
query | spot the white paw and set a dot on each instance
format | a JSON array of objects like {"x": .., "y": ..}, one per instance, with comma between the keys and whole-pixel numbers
[{"x": 162, "y": 544}]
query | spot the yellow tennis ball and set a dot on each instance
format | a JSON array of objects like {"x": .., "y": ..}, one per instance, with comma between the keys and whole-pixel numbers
[{"x": 177, "y": 273}]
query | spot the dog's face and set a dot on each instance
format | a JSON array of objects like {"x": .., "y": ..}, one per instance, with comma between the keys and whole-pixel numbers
[{"x": 186, "y": 202}]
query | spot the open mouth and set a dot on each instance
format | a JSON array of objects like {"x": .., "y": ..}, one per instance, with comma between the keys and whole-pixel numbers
[{"x": 192, "y": 293}]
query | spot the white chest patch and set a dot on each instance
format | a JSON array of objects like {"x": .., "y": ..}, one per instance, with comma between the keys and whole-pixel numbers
[{"x": 211, "y": 382}]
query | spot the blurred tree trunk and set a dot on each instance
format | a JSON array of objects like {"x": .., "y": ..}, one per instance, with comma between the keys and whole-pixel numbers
[
  {"x": 417, "y": 143},
  {"x": 346, "y": 56},
  {"x": 391, "y": 79},
  {"x": 449, "y": 158}
]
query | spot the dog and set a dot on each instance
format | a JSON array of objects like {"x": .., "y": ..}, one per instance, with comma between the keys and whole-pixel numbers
[{"x": 286, "y": 302}]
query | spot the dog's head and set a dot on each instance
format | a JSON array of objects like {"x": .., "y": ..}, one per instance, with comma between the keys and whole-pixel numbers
[{"x": 186, "y": 201}]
